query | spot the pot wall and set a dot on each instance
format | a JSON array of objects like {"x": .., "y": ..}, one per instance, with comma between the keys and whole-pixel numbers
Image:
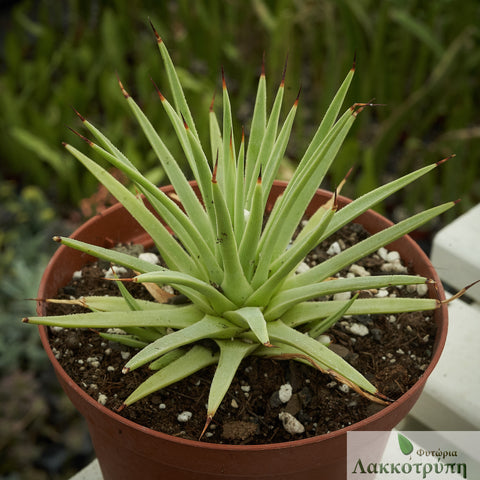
[{"x": 126, "y": 450}]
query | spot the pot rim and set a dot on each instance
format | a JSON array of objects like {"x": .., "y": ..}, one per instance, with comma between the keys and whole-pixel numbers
[{"x": 442, "y": 326}]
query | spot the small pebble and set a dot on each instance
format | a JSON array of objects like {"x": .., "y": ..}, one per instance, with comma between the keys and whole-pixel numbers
[
  {"x": 334, "y": 249},
  {"x": 77, "y": 275},
  {"x": 422, "y": 289},
  {"x": 382, "y": 293},
  {"x": 344, "y": 388},
  {"x": 290, "y": 423},
  {"x": 324, "y": 339},
  {"x": 162, "y": 406},
  {"x": 234, "y": 403},
  {"x": 149, "y": 257},
  {"x": 114, "y": 271},
  {"x": 382, "y": 253},
  {"x": 359, "y": 270},
  {"x": 393, "y": 256},
  {"x": 285, "y": 393},
  {"x": 303, "y": 267},
  {"x": 184, "y": 416},
  {"x": 125, "y": 355},
  {"x": 102, "y": 399},
  {"x": 394, "y": 267},
  {"x": 342, "y": 296},
  {"x": 358, "y": 329},
  {"x": 245, "y": 388}
]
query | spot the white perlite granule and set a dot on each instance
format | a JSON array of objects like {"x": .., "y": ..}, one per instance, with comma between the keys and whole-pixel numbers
[
  {"x": 285, "y": 393},
  {"x": 290, "y": 423},
  {"x": 184, "y": 416},
  {"x": 149, "y": 257}
]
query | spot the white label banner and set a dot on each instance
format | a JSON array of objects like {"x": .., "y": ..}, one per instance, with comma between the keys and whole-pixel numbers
[{"x": 422, "y": 455}]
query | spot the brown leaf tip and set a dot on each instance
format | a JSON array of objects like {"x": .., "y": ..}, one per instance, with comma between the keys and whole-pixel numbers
[
  {"x": 157, "y": 36},
  {"x": 284, "y": 73},
  {"x": 212, "y": 102},
  {"x": 298, "y": 97},
  {"x": 122, "y": 88},
  {"x": 162, "y": 98},
  {"x": 82, "y": 118},
  {"x": 57, "y": 239},
  {"x": 184, "y": 122},
  {"x": 214, "y": 174},
  {"x": 445, "y": 159},
  {"x": 85, "y": 139},
  {"x": 224, "y": 84}
]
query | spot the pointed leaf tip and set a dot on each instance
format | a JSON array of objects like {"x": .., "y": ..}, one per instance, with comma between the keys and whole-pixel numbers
[
  {"x": 162, "y": 98},
  {"x": 85, "y": 139},
  {"x": 224, "y": 84},
  {"x": 207, "y": 423},
  {"x": 184, "y": 122},
  {"x": 213, "y": 101},
  {"x": 214, "y": 174},
  {"x": 298, "y": 97},
  {"x": 159, "y": 39},
  {"x": 125, "y": 93},
  {"x": 354, "y": 64},
  {"x": 57, "y": 239},
  {"x": 445, "y": 159},
  {"x": 284, "y": 73},
  {"x": 82, "y": 118}
]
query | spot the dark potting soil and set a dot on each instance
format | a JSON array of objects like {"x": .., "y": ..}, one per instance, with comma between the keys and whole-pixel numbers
[{"x": 393, "y": 355}]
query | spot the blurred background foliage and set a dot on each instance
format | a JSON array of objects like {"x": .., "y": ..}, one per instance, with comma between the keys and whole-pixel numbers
[{"x": 421, "y": 59}]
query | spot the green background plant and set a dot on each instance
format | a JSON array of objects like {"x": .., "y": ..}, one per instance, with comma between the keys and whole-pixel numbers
[{"x": 419, "y": 58}]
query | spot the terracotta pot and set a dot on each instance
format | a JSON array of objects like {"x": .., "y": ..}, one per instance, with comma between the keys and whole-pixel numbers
[{"x": 126, "y": 450}]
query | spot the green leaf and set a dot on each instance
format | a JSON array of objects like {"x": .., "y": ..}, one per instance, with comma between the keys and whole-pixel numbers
[
  {"x": 257, "y": 130},
  {"x": 118, "y": 258},
  {"x": 208, "y": 327},
  {"x": 253, "y": 318},
  {"x": 189, "y": 200},
  {"x": 280, "y": 332},
  {"x": 309, "y": 311},
  {"x": 286, "y": 299},
  {"x": 124, "y": 339},
  {"x": 181, "y": 104},
  {"x": 194, "y": 360},
  {"x": 290, "y": 208},
  {"x": 172, "y": 317},
  {"x": 334, "y": 264},
  {"x": 320, "y": 326},
  {"x": 232, "y": 352},
  {"x": 234, "y": 284},
  {"x": 171, "y": 251},
  {"x": 197, "y": 290}
]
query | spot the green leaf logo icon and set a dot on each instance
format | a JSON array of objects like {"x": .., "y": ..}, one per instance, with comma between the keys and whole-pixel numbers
[{"x": 405, "y": 444}]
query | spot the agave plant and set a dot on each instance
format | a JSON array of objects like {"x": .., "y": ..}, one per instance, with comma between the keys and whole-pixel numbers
[{"x": 236, "y": 265}]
